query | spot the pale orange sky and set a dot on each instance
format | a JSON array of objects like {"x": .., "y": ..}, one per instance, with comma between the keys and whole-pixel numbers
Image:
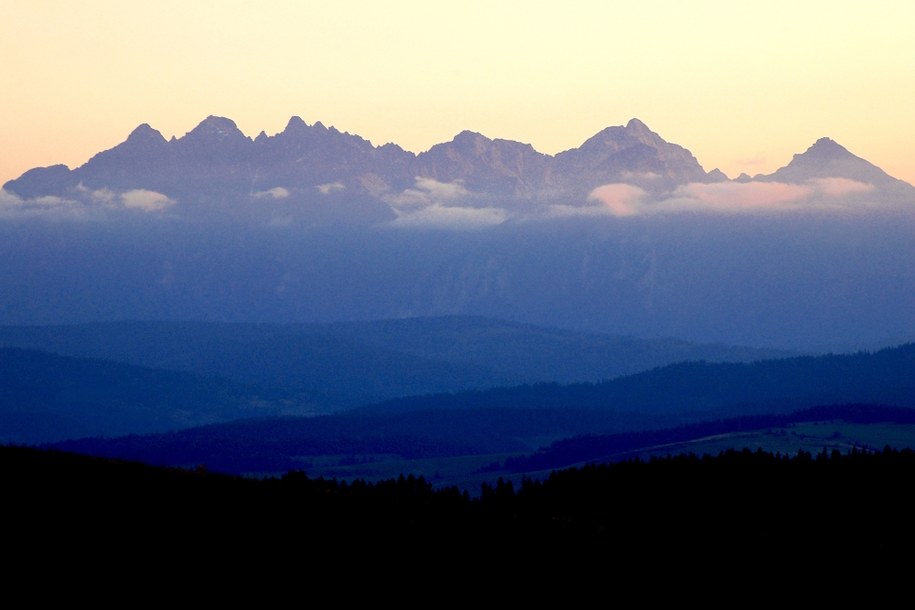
[{"x": 743, "y": 85}]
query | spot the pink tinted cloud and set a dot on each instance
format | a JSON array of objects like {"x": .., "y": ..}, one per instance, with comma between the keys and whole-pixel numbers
[
  {"x": 620, "y": 199},
  {"x": 740, "y": 196},
  {"x": 839, "y": 187}
]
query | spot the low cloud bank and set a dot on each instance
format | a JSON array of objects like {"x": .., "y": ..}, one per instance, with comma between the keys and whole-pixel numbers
[
  {"x": 427, "y": 192},
  {"x": 277, "y": 192},
  {"x": 147, "y": 201},
  {"x": 435, "y": 204},
  {"x": 619, "y": 199},
  {"x": 83, "y": 203},
  {"x": 53, "y": 207},
  {"x": 454, "y": 217},
  {"x": 730, "y": 197},
  {"x": 330, "y": 187}
]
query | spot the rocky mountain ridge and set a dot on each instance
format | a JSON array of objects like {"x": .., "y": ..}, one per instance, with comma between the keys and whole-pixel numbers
[
  {"x": 327, "y": 176},
  {"x": 616, "y": 153}
]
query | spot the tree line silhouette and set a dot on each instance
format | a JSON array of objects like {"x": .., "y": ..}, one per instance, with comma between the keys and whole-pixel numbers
[{"x": 735, "y": 504}]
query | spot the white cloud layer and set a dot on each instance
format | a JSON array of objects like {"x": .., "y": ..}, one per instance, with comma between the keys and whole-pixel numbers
[
  {"x": 723, "y": 198},
  {"x": 146, "y": 201},
  {"x": 451, "y": 217},
  {"x": 761, "y": 197},
  {"x": 8, "y": 200},
  {"x": 840, "y": 187},
  {"x": 330, "y": 187},
  {"x": 11, "y": 201},
  {"x": 432, "y": 203},
  {"x": 106, "y": 196},
  {"x": 52, "y": 207},
  {"x": 276, "y": 192},
  {"x": 83, "y": 204},
  {"x": 427, "y": 192}
]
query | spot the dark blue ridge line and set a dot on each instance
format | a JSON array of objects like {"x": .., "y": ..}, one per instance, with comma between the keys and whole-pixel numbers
[{"x": 591, "y": 447}]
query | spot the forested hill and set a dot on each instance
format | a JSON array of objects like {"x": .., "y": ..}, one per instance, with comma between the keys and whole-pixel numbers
[
  {"x": 45, "y": 397},
  {"x": 718, "y": 389},
  {"x": 521, "y": 420},
  {"x": 347, "y": 364},
  {"x": 619, "y": 447}
]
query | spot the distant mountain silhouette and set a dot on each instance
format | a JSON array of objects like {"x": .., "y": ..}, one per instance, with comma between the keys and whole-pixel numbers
[
  {"x": 625, "y": 234},
  {"x": 502, "y": 168},
  {"x": 703, "y": 389},
  {"x": 348, "y": 364},
  {"x": 828, "y": 159},
  {"x": 631, "y": 154},
  {"x": 307, "y": 161},
  {"x": 46, "y": 397}
]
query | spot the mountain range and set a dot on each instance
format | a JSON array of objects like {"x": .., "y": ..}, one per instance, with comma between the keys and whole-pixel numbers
[
  {"x": 308, "y": 156},
  {"x": 328, "y": 176},
  {"x": 626, "y": 234}
]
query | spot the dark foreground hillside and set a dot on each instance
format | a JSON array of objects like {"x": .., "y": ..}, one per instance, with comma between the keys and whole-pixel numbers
[{"x": 734, "y": 507}]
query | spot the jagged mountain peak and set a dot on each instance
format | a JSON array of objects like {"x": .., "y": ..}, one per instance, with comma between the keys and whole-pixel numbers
[
  {"x": 640, "y": 130},
  {"x": 130, "y": 164},
  {"x": 145, "y": 134},
  {"x": 297, "y": 126},
  {"x": 828, "y": 159},
  {"x": 466, "y": 142},
  {"x": 390, "y": 146},
  {"x": 471, "y": 144},
  {"x": 621, "y": 153},
  {"x": 823, "y": 151},
  {"x": 295, "y": 122},
  {"x": 618, "y": 137},
  {"x": 827, "y": 147},
  {"x": 216, "y": 157},
  {"x": 501, "y": 168},
  {"x": 716, "y": 175},
  {"x": 468, "y": 136},
  {"x": 472, "y": 141},
  {"x": 216, "y": 127}
]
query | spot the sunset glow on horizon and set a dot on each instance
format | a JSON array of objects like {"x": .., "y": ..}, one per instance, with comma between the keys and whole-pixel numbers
[{"x": 743, "y": 86}]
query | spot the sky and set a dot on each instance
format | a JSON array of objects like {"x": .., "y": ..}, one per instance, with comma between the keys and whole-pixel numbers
[{"x": 743, "y": 85}]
